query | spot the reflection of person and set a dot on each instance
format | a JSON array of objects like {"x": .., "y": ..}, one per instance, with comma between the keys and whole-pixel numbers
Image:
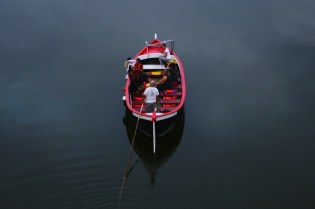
[
  {"x": 166, "y": 55},
  {"x": 165, "y": 82},
  {"x": 151, "y": 93}
]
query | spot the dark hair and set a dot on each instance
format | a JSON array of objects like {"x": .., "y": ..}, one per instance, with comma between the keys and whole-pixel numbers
[{"x": 129, "y": 58}]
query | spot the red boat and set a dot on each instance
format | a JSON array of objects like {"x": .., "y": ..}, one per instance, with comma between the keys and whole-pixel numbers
[{"x": 171, "y": 100}]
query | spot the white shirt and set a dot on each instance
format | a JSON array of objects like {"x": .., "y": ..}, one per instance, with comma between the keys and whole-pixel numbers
[
  {"x": 168, "y": 53},
  {"x": 129, "y": 63},
  {"x": 151, "y": 93}
]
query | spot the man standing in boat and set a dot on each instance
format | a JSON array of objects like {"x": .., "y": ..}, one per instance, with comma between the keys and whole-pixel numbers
[
  {"x": 150, "y": 97},
  {"x": 166, "y": 55}
]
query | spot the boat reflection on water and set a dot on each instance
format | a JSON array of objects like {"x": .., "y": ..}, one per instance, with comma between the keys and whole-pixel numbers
[{"x": 165, "y": 145}]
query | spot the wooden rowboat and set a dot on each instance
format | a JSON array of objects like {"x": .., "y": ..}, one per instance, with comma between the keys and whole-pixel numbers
[{"x": 171, "y": 100}]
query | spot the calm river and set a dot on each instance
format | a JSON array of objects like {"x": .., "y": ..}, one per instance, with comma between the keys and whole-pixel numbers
[{"x": 246, "y": 139}]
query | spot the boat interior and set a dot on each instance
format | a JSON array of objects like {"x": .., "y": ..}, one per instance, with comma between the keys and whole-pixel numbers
[{"x": 170, "y": 98}]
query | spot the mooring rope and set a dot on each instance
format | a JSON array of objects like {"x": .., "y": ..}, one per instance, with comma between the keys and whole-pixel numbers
[{"x": 129, "y": 157}]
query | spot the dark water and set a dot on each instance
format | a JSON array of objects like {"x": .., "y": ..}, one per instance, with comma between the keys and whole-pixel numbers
[{"x": 247, "y": 136}]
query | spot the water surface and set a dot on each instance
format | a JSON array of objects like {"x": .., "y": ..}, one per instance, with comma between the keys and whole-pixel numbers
[{"x": 248, "y": 131}]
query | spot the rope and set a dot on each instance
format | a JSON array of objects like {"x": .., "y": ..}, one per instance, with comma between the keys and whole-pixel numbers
[{"x": 129, "y": 157}]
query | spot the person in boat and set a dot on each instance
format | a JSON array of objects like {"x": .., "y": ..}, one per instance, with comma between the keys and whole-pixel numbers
[
  {"x": 165, "y": 81},
  {"x": 134, "y": 71},
  {"x": 137, "y": 77},
  {"x": 166, "y": 57},
  {"x": 133, "y": 86},
  {"x": 129, "y": 63},
  {"x": 150, "y": 94},
  {"x": 136, "y": 68}
]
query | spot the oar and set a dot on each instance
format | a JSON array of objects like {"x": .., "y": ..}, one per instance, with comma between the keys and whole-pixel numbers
[{"x": 129, "y": 157}]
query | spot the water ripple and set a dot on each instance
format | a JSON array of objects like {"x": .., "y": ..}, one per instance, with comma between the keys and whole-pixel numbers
[{"x": 81, "y": 183}]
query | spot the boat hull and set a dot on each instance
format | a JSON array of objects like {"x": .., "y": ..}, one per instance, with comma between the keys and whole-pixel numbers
[
  {"x": 162, "y": 127},
  {"x": 171, "y": 99}
]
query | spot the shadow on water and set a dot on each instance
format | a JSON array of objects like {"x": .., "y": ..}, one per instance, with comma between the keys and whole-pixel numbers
[{"x": 165, "y": 145}]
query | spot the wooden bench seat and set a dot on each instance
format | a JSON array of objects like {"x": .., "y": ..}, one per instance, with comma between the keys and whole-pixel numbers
[
  {"x": 176, "y": 86},
  {"x": 162, "y": 101},
  {"x": 139, "y": 108},
  {"x": 170, "y": 101},
  {"x": 176, "y": 93},
  {"x": 137, "y": 102},
  {"x": 161, "y": 109},
  {"x": 167, "y": 109}
]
